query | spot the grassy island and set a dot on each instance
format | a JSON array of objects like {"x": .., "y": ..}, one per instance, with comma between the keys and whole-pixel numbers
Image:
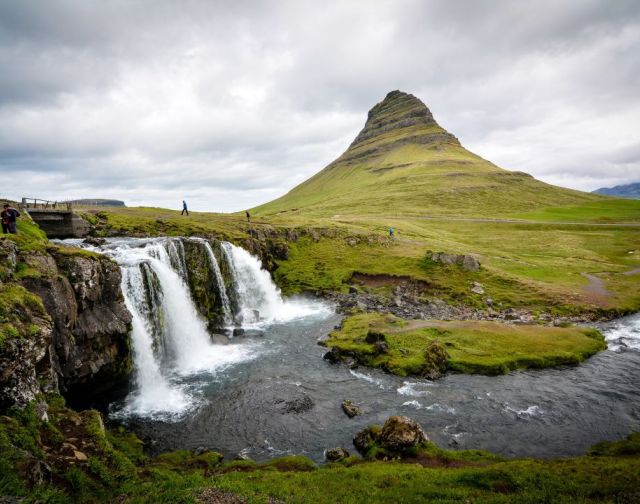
[{"x": 412, "y": 347}]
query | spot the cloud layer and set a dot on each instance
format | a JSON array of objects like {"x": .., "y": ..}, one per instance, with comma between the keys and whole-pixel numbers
[{"x": 230, "y": 104}]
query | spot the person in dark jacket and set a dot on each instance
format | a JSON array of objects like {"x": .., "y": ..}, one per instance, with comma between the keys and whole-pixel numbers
[
  {"x": 9, "y": 217},
  {"x": 248, "y": 216},
  {"x": 184, "y": 208}
]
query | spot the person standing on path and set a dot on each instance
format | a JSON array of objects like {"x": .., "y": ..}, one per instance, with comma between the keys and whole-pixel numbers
[
  {"x": 248, "y": 216},
  {"x": 9, "y": 217},
  {"x": 184, "y": 208},
  {"x": 391, "y": 231}
]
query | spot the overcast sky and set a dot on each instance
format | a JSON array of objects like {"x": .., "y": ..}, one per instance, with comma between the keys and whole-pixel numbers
[{"x": 231, "y": 104}]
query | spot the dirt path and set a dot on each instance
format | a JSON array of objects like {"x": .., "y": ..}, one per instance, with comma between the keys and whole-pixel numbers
[
  {"x": 519, "y": 221},
  {"x": 596, "y": 289},
  {"x": 634, "y": 271}
]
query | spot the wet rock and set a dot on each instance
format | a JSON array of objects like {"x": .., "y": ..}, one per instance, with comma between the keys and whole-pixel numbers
[
  {"x": 400, "y": 433},
  {"x": 238, "y": 331},
  {"x": 366, "y": 439},
  {"x": 333, "y": 356},
  {"x": 96, "y": 242},
  {"x": 350, "y": 409},
  {"x": 336, "y": 454},
  {"x": 297, "y": 405}
]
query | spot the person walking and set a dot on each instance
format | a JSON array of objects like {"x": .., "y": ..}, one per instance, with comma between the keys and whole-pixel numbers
[
  {"x": 184, "y": 208},
  {"x": 248, "y": 216},
  {"x": 9, "y": 218},
  {"x": 391, "y": 231}
]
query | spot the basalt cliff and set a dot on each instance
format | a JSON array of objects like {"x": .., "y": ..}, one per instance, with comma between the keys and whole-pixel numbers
[{"x": 64, "y": 325}]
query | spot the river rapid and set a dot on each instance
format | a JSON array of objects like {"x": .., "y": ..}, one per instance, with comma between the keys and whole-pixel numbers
[{"x": 269, "y": 393}]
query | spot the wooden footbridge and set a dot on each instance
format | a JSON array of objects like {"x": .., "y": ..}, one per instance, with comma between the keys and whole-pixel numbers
[{"x": 56, "y": 218}]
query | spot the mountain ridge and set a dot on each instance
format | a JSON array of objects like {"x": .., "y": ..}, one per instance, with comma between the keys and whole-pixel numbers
[
  {"x": 631, "y": 191},
  {"x": 403, "y": 162}
]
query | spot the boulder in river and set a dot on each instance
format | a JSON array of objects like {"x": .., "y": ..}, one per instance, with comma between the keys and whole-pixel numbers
[
  {"x": 350, "y": 409},
  {"x": 400, "y": 433},
  {"x": 336, "y": 454}
]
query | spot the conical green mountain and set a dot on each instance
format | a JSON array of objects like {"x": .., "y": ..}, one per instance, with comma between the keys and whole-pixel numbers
[{"x": 404, "y": 163}]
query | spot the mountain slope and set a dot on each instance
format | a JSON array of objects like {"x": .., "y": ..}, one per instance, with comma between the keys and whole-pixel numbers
[
  {"x": 621, "y": 191},
  {"x": 404, "y": 163}
]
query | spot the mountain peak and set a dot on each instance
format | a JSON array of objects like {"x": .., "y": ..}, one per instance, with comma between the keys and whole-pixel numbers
[{"x": 404, "y": 114}]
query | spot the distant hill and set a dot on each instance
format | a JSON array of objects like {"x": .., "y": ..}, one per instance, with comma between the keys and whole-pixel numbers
[
  {"x": 98, "y": 202},
  {"x": 404, "y": 162},
  {"x": 631, "y": 191}
]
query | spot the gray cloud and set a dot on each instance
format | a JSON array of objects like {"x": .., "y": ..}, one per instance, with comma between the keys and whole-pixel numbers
[{"x": 230, "y": 104}]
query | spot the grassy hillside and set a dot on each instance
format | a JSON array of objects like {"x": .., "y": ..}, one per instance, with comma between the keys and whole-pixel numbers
[{"x": 404, "y": 163}]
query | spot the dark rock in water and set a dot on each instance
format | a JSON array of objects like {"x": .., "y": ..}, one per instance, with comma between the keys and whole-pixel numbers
[
  {"x": 297, "y": 405},
  {"x": 350, "y": 409},
  {"x": 336, "y": 454},
  {"x": 366, "y": 438},
  {"x": 238, "y": 331},
  {"x": 96, "y": 242},
  {"x": 400, "y": 433},
  {"x": 256, "y": 315},
  {"x": 333, "y": 356}
]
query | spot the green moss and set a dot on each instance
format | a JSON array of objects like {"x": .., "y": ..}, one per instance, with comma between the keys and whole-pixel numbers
[
  {"x": 472, "y": 346},
  {"x": 627, "y": 447}
]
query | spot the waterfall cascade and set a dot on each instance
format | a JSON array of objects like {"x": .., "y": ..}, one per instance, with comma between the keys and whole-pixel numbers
[{"x": 170, "y": 337}]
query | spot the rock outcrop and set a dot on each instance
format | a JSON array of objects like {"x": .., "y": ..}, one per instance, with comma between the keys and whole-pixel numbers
[
  {"x": 399, "y": 119},
  {"x": 397, "y": 435},
  {"x": 203, "y": 284},
  {"x": 73, "y": 331},
  {"x": 468, "y": 262}
]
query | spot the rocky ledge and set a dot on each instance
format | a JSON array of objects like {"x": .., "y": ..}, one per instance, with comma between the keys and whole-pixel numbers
[{"x": 69, "y": 331}]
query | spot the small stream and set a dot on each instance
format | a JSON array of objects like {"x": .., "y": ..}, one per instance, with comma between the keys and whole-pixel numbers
[{"x": 269, "y": 393}]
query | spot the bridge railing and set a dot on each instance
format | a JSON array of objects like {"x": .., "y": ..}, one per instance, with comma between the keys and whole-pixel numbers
[{"x": 41, "y": 204}]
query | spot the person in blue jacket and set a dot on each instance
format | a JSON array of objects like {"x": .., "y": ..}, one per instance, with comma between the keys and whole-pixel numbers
[{"x": 184, "y": 208}]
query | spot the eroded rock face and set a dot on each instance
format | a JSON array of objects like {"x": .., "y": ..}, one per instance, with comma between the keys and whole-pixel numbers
[
  {"x": 91, "y": 322},
  {"x": 203, "y": 283},
  {"x": 73, "y": 335},
  {"x": 25, "y": 364},
  {"x": 398, "y": 111}
]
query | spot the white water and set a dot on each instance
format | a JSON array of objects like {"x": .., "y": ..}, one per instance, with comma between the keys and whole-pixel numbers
[
  {"x": 222, "y": 290},
  {"x": 624, "y": 334},
  {"x": 153, "y": 395},
  {"x": 258, "y": 295}
]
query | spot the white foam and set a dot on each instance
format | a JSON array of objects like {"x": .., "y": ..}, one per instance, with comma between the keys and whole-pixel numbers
[
  {"x": 625, "y": 334},
  {"x": 529, "y": 412},
  {"x": 415, "y": 389},
  {"x": 367, "y": 378}
]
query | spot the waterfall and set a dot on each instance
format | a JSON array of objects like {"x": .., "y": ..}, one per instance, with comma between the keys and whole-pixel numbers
[
  {"x": 152, "y": 308},
  {"x": 259, "y": 299},
  {"x": 172, "y": 347},
  {"x": 222, "y": 290},
  {"x": 175, "y": 250},
  {"x": 152, "y": 393},
  {"x": 169, "y": 337}
]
